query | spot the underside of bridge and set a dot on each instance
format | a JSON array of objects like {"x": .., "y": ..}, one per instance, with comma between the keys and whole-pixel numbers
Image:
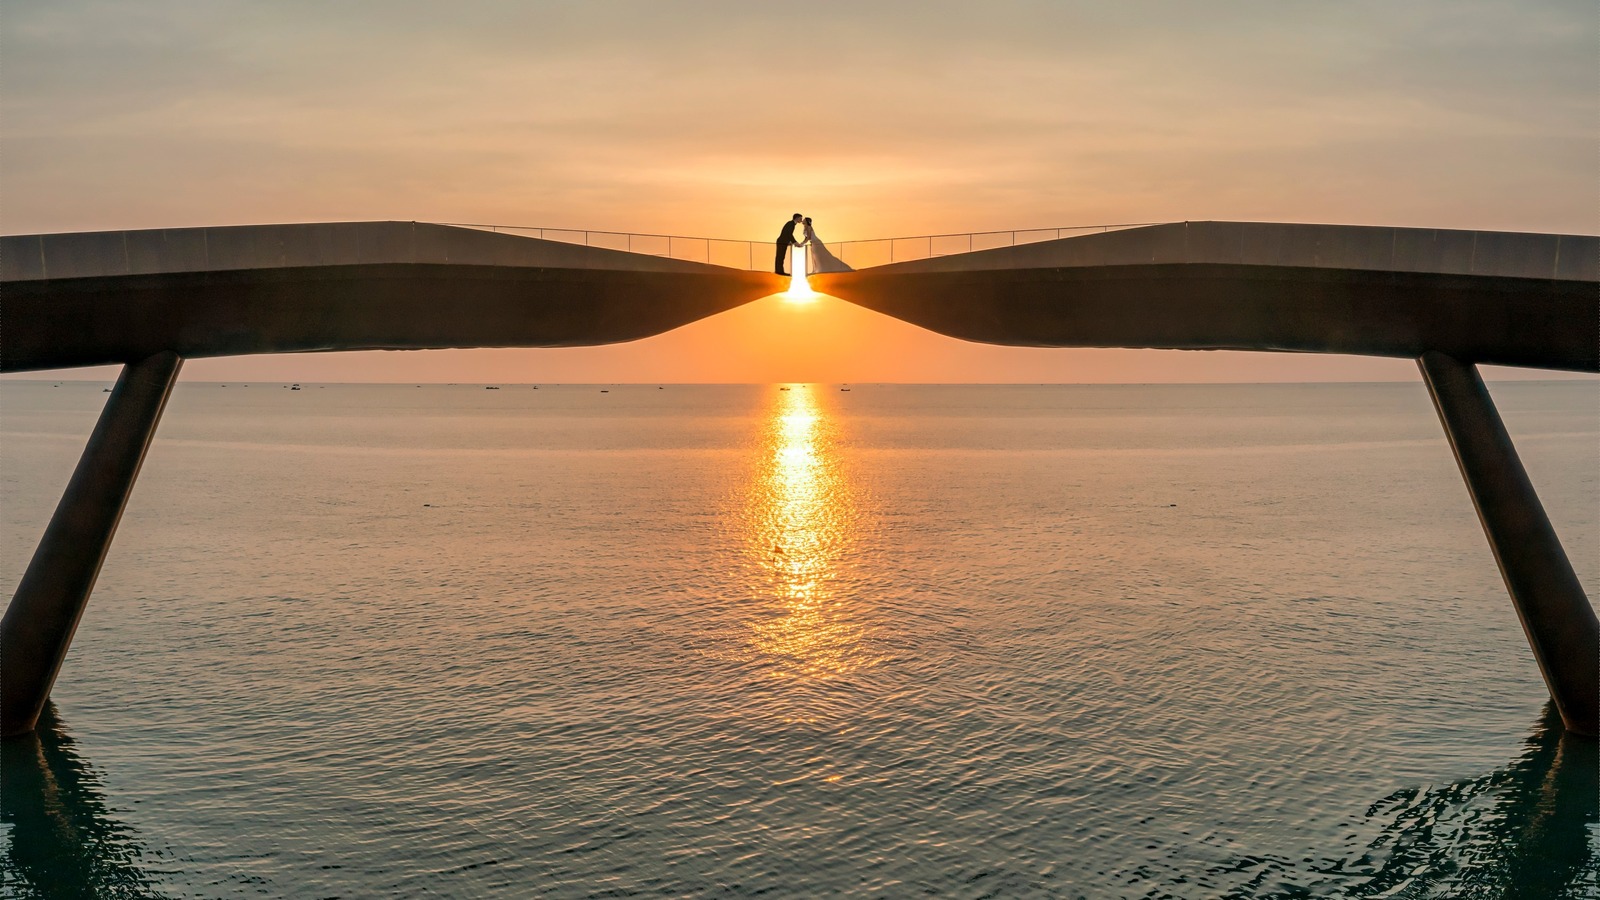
[{"x": 1449, "y": 299}]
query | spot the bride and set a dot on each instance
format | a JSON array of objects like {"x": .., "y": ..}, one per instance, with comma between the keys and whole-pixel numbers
[{"x": 818, "y": 257}]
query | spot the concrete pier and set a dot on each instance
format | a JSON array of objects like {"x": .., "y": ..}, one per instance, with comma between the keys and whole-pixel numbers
[
  {"x": 44, "y": 613},
  {"x": 1555, "y": 613}
]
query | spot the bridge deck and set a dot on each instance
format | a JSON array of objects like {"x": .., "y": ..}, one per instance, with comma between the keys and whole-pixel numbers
[
  {"x": 1481, "y": 297},
  {"x": 109, "y": 297}
]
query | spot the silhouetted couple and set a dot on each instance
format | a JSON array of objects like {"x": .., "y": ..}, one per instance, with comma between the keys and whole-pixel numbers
[{"x": 818, "y": 257}]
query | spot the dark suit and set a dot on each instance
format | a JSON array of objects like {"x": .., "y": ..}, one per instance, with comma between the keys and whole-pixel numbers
[{"x": 785, "y": 238}]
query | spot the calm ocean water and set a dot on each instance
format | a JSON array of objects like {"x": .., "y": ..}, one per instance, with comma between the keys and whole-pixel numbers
[{"x": 1101, "y": 642}]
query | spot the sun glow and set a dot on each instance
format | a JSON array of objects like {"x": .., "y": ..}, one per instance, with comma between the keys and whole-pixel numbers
[{"x": 799, "y": 287}]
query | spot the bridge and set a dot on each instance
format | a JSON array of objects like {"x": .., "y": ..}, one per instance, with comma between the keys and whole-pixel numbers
[{"x": 1450, "y": 299}]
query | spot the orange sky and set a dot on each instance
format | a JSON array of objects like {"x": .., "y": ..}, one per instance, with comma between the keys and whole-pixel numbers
[{"x": 719, "y": 119}]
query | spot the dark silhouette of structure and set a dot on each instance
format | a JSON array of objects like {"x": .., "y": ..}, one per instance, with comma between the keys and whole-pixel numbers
[{"x": 1449, "y": 299}]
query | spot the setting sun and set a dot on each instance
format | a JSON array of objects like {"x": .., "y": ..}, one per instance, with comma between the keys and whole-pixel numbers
[{"x": 799, "y": 286}]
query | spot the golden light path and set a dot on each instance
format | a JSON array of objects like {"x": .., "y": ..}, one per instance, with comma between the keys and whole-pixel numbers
[{"x": 803, "y": 524}]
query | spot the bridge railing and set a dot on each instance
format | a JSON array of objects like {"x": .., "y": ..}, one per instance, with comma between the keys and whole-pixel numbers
[
  {"x": 862, "y": 254},
  {"x": 755, "y": 256},
  {"x": 752, "y": 256}
]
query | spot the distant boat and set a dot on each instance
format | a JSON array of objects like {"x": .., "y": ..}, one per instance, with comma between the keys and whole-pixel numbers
[
  {"x": 783, "y": 389},
  {"x": 105, "y": 390},
  {"x": 844, "y": 389},
  {"x": 295, "y": 388},
  {"x": 604, "y": 391},
  {"x": 491, "y": 388}
]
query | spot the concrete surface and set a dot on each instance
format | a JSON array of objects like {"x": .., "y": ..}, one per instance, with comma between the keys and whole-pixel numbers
[
  {"x": 1480, "y": 297},
  {"x": 116, "y": 297}
]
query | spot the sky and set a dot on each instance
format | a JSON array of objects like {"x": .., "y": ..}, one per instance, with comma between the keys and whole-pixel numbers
[{"x": 877, "y": 119}]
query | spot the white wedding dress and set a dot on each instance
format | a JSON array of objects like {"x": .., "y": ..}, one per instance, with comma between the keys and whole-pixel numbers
[{"x": 819, "y": 258}]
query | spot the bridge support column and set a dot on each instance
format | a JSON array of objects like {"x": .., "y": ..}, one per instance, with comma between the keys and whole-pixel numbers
[
  {"x": 39, "y": 624},
  {"x": 1555, "y": 613}
]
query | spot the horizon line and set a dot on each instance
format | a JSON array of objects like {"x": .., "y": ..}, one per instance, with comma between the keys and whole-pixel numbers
[{"x": 1563, "y": 379}]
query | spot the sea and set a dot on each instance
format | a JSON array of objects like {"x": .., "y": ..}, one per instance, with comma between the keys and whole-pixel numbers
[{"x": 638, "y": 640}]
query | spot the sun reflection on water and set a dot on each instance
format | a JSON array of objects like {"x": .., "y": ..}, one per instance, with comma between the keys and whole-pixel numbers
[{"x": 802, "y": 526}]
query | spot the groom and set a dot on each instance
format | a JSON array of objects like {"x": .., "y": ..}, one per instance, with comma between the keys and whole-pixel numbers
[{"x": 786, "y": 238}]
